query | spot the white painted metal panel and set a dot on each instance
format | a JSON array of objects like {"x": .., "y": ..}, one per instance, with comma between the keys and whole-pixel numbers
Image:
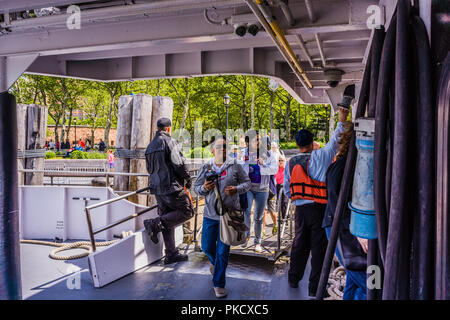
[
  {"x": 47, "y": 212},
  {"x": 76, "y": 223},
  {"x": 124, "y": 257},
  {"x": 42, "y": 212}
]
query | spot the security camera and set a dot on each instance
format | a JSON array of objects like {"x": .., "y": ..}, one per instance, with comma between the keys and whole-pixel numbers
[
  {"x": 333, "y": 76},
  {"x": 240, "y": 29},
  {"x": 254, "y": 28}
]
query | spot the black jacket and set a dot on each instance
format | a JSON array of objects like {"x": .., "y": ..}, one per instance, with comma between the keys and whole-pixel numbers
[
  {"x": 165, "y": 164},
  {"x": 351, "y": 251}
]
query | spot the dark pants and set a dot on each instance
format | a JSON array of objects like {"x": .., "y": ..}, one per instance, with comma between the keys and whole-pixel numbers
[
  {"x": 173, "y": 210},
  {"x": 309, "y": 237},
  {"x": 283, "y": 201}
]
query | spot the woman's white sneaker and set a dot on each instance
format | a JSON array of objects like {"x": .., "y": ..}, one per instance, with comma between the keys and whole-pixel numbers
[
  {"x": 258, "y": 248},
  {"x": 220, "y": 292}
]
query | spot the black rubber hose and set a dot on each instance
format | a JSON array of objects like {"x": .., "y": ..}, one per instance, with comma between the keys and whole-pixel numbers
[
  {"x": 376, "y": 48},
  {"x": 423, "y": 248},
  {"x": 397, "y": 277},
  {"x": 381, "y": 136},
  {"x": 10, "y": 284},
  {"x": 345, "y": 189},
  {"x": 390, "y": 146}
]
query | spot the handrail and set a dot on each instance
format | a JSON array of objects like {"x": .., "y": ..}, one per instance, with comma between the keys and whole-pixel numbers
[
  {"x": 101, "y": 204},
  {"x": 85, "y": 173}
]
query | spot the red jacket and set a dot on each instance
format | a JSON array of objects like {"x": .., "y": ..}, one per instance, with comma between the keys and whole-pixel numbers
[{"x": 280, "y": 175}]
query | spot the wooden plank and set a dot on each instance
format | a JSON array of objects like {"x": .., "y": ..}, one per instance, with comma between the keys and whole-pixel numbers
[
  {"x": 21, "y": 132},
  {"x": 140, "y": 138},
  {"x": 123, "y": 140},
  {"x": 35, "y": 139}
]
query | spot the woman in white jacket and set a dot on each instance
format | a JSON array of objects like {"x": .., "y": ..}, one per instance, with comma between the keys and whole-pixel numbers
[{"x": 259, "y": 163}]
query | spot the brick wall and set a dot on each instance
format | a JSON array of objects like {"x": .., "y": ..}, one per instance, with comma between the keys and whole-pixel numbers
[{"x": 84, "y": 133}]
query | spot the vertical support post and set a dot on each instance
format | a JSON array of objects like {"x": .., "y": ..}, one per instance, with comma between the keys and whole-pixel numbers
[
  {"x": 91, "y": 230},
  {"x": 3, "y": 75},
  {"x": 10, "y": 281}
]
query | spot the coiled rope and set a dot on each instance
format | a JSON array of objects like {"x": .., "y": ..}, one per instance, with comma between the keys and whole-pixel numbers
[
  {"x": 86, "y": 245},
  {"x": 336, "y": 283}
]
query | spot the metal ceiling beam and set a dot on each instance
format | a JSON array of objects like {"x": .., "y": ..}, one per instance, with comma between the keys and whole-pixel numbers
[
  {"x": 305, "y": 50},
  {"x": 143, "y": 9},
  {"x": 309, "y": 8},
  {"x": 319, "y": 46},
  {"x": 287, "y": 12},
  {"x": 22, "y": 5}
]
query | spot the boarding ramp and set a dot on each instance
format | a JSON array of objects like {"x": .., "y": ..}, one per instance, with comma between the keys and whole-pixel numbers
[{"x": 273, "y": 245}]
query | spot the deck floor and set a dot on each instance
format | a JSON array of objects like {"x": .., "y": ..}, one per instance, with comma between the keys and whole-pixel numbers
[{"x": 247, "y": 278}]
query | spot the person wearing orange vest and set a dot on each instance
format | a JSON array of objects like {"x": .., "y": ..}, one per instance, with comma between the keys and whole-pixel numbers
[{"x": 304, "y": 184}]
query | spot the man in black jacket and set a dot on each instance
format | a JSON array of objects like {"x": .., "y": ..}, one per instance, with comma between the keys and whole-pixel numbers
[{"x": 168, "y": 179}]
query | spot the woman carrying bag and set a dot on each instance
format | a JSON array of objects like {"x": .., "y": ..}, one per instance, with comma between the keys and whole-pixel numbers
[{"x": 226, "y": 178}]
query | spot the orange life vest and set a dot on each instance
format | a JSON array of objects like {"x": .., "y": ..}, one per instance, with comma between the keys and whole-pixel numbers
[{"x": 302, "y": 185}]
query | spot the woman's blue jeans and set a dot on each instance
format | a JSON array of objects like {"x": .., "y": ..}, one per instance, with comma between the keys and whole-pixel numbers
[
  {"x": 260, "y": 203},
  {"x": 216, "y": 250},
  {"x": 355, "y": 281}
]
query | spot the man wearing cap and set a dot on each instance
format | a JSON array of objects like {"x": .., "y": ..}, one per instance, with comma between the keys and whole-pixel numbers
[
  {"x": 168, "y": 178},
  {"x": 304, "y": 184}
]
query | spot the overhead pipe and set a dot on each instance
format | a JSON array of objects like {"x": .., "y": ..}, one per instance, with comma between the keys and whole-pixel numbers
[
  {"x": 382, "y": 134},
  {"x": 397, "y": 262},
  {"x": 282, "y": 39},
  {"x": 156, "y": 7},
  {"x": 423, "y": 248},
  {"x": 10, "y": 283},
  {"x": 346, "y": 188},
  {"x": 269, "y": 30}
]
